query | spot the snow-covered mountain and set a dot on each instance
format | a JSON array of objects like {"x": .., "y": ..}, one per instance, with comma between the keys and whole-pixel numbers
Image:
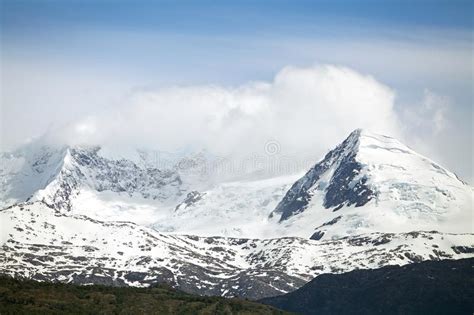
[
  {"x": 40, "y": 242},
  {"x": 368, "y": 183},
  {"x": 81, "y": 180},
  {"x": 372, "y": 183}
]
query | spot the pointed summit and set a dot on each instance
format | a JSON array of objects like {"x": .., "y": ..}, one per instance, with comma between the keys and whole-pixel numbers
[
  {"x": 376, "y": 172},
  {"x": 346, "y": 186}
]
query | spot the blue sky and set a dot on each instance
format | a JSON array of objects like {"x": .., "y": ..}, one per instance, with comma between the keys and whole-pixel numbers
[
  {"x": 66, "y": 59},
  {"x": 229, "y": 16},
  {"x": 165, "y": 38},
  {"x": 92, "y": 30},
  {"x": 227, "y": 42}
]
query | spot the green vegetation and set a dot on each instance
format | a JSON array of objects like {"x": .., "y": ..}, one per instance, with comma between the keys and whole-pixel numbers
[{"x": 31, "y": 297}]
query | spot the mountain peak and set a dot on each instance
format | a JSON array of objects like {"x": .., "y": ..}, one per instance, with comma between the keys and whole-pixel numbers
[
  {"x": 361, "y": 133},
  {"x": 356, "y": 132},
  {"x": 364, "y": 135},
  {"x": 380, "y": 173},
  {"x": 338, "y": 174}
]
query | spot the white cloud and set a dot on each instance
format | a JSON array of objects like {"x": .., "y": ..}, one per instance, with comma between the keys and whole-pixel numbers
[
  {"x": 307, "y": 110},
  {"x": 435, "y": 127},
  {"x": 435, "y": 107},
  {"x": 429, "y": 116}
]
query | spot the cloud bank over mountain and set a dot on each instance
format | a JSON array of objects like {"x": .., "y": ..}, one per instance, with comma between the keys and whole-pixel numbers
[{"x": 305, "y": 110}]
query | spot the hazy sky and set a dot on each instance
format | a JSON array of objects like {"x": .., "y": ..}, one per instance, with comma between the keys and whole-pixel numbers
[{"x": 233, "y": 75}]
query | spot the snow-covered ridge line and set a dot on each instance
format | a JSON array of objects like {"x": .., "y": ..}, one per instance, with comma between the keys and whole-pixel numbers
[
  {"x": 58, "y": 176},
  {"x": 368, "y": 183},
  {"x": 41, "y": 243}
]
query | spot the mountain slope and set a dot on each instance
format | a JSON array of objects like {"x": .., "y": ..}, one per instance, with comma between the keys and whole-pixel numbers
[
  {"x": 41, "y": 243},
  {"x": 28, "y": 170},
  {"x": 31, "y": 297},
  {"x": 434, "y": 287},
  {"x": 235, "y": 209},
  {"x": 80, "y": 180},
  {"x": 375, "y": 183}
]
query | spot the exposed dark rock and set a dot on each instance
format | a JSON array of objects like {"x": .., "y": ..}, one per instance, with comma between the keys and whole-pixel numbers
[
  {"x": 463, "y": 249},
  {"x": 344, "y": 188},
  {"x": 191, "y": 198},
  {"x": 331, "y": 222},
  {"x": 347, "y": 185},
  {"x": 317, "y": 235}
]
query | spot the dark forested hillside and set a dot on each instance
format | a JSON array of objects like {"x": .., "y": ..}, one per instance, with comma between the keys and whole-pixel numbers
[
  {"x": 432, "y": 287},
  {"x": 30, "y": 297}
]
